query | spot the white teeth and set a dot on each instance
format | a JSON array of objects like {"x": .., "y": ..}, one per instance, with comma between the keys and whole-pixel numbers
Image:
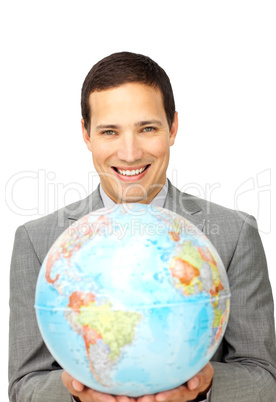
[{"x": 131, "y": 172}]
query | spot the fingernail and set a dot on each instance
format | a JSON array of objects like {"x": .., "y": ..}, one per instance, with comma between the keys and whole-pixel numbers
[
  {"x": 194, "y": 383},
  {"x": 76, "y": 385}
]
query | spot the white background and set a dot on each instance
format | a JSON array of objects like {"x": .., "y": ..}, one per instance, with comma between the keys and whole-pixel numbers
[{"x": 221, "y": 59}]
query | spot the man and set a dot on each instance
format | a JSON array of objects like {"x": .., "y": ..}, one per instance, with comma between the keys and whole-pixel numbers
[{"x": 129, "y": 123}]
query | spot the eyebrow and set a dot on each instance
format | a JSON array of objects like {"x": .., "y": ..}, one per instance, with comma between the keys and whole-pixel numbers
[
  {"x": 148, "y": 123},
  {"x": 138, "y": 124},
  {"x": 106, "y": 126}
]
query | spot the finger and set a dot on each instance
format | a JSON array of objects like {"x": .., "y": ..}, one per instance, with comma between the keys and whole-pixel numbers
[
  {"x": 123, "y": 398},
  {"x": 70, "y": 383},
  {"x": 85, "y": 394},
  {"x": 99, "y": 396},
  {"x": 146, "y": 398},
  {"x": 193, "y": 383},
  {"x": 180, "y": 393},
  {"x": 78, "y": 386},
  {"x": 203, "y": 379}
]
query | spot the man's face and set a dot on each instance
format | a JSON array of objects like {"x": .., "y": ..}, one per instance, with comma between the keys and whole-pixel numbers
[{"x": 130, "y": 141}]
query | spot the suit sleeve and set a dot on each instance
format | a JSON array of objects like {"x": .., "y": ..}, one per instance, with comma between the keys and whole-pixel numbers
[
  {"x": 33, "y": 373},
  {"x": 248, "y": 370}
]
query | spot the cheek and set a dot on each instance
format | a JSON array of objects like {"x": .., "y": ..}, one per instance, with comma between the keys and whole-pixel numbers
[
  {"x": 100, "y": 152},
  {"x": 161, "y": 149}
]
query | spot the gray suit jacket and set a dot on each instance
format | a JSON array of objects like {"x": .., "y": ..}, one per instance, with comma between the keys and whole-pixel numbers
[{"x": 245, "y": 363}]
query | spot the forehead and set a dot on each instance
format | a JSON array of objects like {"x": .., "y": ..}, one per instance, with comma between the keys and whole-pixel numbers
[{"x": 125, "y": 100}]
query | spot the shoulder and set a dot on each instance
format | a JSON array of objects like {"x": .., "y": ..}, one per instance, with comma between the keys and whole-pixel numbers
[
  {"x": 221, "y": 213},
  {"x": 44, "y": 231},
  {"x": 52, "y": 221},
  {"x": 225, "y": 227},
  {"x": 187, "y": 204}
]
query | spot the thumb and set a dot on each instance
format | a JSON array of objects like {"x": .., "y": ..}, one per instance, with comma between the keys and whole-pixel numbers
[
  {"x": 193, "y": 383},
  {"x": 78, "y": 386}
]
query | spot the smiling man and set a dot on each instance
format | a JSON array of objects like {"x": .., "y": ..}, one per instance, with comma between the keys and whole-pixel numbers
[
  {"x": 130, "y": 141},
  {"x": 129, "y": 124}
]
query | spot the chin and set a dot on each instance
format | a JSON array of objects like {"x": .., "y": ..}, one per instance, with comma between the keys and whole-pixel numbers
[{"x": 134, "y": 198}]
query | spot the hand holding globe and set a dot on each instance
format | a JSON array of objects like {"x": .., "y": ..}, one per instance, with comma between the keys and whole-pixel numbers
[{"x": 199, "y": 384}]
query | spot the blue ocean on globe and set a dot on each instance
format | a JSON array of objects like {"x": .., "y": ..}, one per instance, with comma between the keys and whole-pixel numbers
[{"x": 132, "y": 300}]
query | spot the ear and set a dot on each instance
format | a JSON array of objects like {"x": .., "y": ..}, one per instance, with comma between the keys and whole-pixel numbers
[
  {"x": 174, "y": 129},
  {"x": 86, "y": 136}
]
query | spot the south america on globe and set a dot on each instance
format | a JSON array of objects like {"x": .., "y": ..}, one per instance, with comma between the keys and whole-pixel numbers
[{"x": 132, "y": 300}]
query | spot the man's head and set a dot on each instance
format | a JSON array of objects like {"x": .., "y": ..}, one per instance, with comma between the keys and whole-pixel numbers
[
  {"x": 125, "y": 67},
  {"x": 127, "y": 127}
]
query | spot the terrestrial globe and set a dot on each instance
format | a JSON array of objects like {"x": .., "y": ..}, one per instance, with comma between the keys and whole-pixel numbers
[{"x": 132, "y": 300}]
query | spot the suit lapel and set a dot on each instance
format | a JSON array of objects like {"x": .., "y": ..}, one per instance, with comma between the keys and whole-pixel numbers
[
  {"x": 184, "y": 204},
  {"x": 176, "y": 201},
  {"x": 89, "y": 204}
]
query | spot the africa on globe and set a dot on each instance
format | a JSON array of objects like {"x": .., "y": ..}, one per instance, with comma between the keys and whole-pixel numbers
[{"x": 132, "y": 300}]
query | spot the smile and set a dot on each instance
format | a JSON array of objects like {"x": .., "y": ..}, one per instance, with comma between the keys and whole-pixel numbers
[{"x": 132, "y": 172}]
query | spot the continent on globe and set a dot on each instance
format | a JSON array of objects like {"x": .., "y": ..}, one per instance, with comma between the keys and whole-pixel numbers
[
  {"x": 192, "y": 275},
  {"x": 105, "y": 331},
  {"x": 186, "y": 266}
]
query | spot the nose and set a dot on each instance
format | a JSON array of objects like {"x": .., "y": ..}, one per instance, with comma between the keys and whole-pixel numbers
[{"x": 130, "y": 149}]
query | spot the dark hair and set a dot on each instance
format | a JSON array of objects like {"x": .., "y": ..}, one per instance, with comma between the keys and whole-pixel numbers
[{"x": 123, "y": 67}]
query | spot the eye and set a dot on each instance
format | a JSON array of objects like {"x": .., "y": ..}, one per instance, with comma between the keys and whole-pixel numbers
[
  {"x": 148, "y": 129},
  {"x": 109, "y": 132}
]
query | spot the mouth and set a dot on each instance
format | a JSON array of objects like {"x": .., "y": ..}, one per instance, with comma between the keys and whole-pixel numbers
[{"x": 131, "y": 173}]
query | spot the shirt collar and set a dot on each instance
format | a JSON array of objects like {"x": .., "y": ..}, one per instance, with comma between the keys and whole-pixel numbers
[{"x": 158, "y": 201}]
